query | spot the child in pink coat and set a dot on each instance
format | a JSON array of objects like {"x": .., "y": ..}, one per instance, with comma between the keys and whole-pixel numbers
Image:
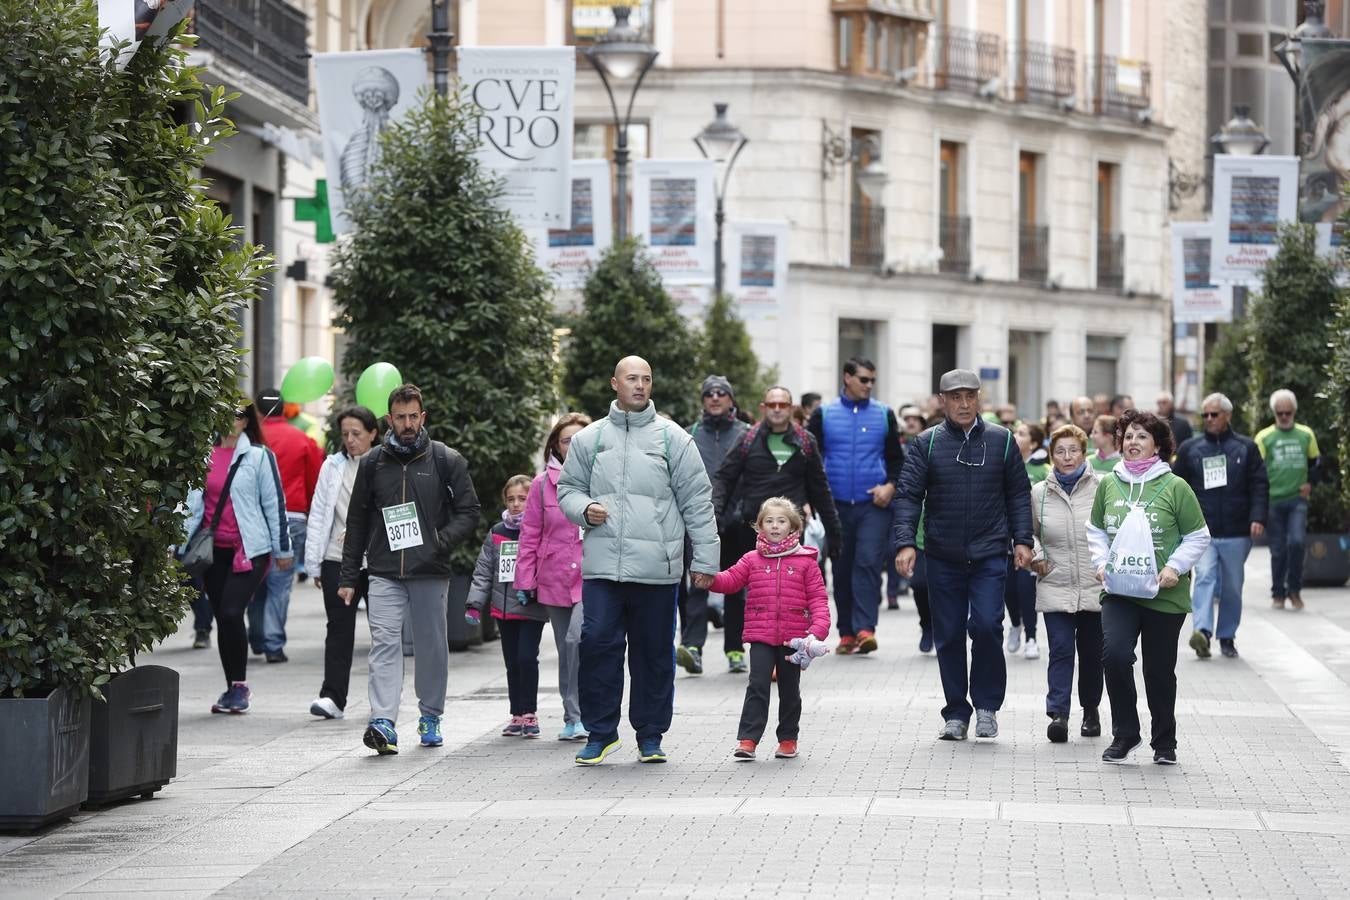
[{"x": 786, "y": 610}]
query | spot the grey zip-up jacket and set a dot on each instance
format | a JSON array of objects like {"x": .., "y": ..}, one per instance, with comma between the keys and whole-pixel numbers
[{"x": 648, "y": 474}]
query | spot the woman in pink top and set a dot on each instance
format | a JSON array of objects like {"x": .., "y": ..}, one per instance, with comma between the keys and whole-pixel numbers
[
  {"x": 548, "y": 568},
  {"x": 786, "y": 609}
]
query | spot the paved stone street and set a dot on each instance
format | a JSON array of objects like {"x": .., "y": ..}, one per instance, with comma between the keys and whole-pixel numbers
[{"x": 280, "y": 803}]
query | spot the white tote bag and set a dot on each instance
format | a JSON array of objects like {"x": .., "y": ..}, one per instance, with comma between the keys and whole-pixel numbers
[{"x": 1131, "y": 568}]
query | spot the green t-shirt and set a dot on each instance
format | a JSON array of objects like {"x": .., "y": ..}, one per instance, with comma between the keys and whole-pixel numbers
[
  {"x": 1173, "y": 511},
  {"x": 1286, "y": 453},
  {"x": 1037, "y": 472},
  {"x": 782, "y": 451},
  {"x": 1103, "y": 466}
]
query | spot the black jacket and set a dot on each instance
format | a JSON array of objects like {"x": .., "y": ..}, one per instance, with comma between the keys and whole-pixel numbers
[
  {"x": 1229, "y": 510},
  {"x": 433, "y": 477},
  {"x": 750, "y": 475},
  {"x": 972, "y": 508}
]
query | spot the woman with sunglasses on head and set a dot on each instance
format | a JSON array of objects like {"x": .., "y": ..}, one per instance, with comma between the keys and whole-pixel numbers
[{"x": 243, "y": 505}]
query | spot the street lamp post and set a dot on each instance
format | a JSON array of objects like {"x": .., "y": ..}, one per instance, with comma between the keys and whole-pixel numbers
[
  {"x": 721, "y": 142},
  {"x": 1290, "y": 54},
  {"x": 618, "y": 56},
  {"x": 439, "y": 39},
  {"x": 1240, "y": 136}
]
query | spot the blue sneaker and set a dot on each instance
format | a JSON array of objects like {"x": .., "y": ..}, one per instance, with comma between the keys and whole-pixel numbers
[
  {"x": 595, "y": 751},
  {"x": 234, "y": 700},
  {"x": 381, "y": 737},
  {"x": 429, "y": 727},
  {"x": 573, "y": 731},
  {"x": 649, "y": 751}
]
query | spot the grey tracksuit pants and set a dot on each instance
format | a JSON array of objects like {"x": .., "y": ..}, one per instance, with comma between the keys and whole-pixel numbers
[
  {"x": 422, "y": 601},
  {"x": 565, "y": 622}
]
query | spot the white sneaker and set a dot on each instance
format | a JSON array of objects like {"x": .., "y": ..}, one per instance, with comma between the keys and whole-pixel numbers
[
  {"x": 1014, "y": 640},
  {"x": 325, "y": 708},
  {"x": 1031, "y": 651}
]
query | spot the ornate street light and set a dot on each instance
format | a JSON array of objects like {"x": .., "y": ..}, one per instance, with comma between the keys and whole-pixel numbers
[
  {"x": 618, "y": 56},
  {"x": 1240, "y": 136},
  {"x": 837, "y": 150},
  {"x": 721, "y": 142},
  {"x": 1290, "y": 50}
]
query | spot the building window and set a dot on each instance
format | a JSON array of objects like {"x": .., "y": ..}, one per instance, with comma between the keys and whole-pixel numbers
[
  {"x": 860, "y": 338},
  {"x": 867, "y": 219},
  {"x": 1103, "y": 364},
  {"x": 946, "y": 351},
  {"x": 1110, "y": 241},
  {"x": 1033, "y": 238},
  {"x": 1251, "y": 45},
  {"x": 879, "y": 40},
  {"x": 953, "y": 227}
]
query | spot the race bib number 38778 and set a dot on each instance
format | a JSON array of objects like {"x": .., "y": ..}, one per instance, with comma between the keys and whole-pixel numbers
[{"x": 401, "y": 526}]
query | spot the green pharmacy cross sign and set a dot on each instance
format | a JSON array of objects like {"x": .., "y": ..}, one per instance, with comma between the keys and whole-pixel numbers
[{"x": 315, "y": 209}]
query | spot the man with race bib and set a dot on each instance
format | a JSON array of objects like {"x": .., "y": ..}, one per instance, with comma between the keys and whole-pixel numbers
[{"x": 411, "y": 504}]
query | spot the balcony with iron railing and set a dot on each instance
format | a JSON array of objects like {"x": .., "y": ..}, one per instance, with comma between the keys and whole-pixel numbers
[
  {"x": 266, "y": 38},
  {"x": 1120, "y": 88},
  {"x": 867, "y": 237},
  {"x": 1110, "y": 261},
  {"x": 963, "y": 59},
  {"x": 1033, "y": 253},
  {"x": 954, "y": 240},
  {"x": 1043, "y": 74}
]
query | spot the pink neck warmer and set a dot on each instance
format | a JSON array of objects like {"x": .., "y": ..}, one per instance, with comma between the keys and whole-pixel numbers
[
  {"x": 1140, "y": 466},
  {"x": 785, "y": 547}
]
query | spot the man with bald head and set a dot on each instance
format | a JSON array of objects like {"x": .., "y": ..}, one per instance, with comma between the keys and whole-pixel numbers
[
  {"x": 636, "y": 485},
  {"x": 1083, "y": 413}
]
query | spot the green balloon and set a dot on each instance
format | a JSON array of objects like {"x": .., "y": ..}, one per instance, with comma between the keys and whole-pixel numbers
[
  {"x": 307, "y": 380},
  {"x": 375, "y": 385}
]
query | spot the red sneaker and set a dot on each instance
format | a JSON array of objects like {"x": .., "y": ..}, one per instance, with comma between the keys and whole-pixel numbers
[
  {"x": 744, "y": 750},
  {"x": 786, "y": 750},
  {"x": 867, "y": 642},
  {"x": 847, "y": 645}
]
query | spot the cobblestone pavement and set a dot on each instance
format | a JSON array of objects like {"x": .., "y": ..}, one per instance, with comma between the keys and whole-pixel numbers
[{"x": 277, "y": 803}]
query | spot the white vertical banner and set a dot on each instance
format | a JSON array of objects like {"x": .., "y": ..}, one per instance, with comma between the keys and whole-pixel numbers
[
  {"x": 525, "y": 97},
  {"x": 1195, "y": 296},
  {"x": 567, "y": 254},
  {"x": 756, "y": 254},
  {"x": 673, "y": 211},
  {"x": 360, "y": 95},
  {"x": 1252, "y": 196}
]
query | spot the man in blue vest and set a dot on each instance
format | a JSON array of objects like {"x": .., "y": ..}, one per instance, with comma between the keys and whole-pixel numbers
[
  {"x": 859, "y": 440},
  {"x": 965, "y": 480}
]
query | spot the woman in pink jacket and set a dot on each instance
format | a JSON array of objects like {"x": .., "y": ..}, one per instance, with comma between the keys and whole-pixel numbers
[
  {"x": 548, "y": 568},
  {"x": 786, "y": 610}
]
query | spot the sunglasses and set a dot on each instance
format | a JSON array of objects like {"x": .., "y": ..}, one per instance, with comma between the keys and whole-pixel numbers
[
  {"x": 866, "y": 379},
  {"x": 241, "y": 414},
  {"x": 716, "y": 393},
  {"x": 777, "y": 404},
  {"x": 1210, "y": 415}
]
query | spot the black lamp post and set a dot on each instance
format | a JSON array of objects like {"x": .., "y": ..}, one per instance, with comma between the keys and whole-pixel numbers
[
  {"x": 618, "y": 56},
  {"x": 439, "y": 39},
  {"x": 721, "y": 142}
]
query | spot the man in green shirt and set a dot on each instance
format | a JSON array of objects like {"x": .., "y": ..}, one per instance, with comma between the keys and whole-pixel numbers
[{"x": 1292, "y": 461}]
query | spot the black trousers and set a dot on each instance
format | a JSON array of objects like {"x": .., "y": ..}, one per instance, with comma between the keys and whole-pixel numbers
[
  {"x": 918, "y": 585},
  {"x": 230, "y": 593},
  {"x": 520, "y": 650},
  {"x": 755, "y": 713},
  {"x": 337, "y": 643},
  {"x": 1125, "y": 622}
]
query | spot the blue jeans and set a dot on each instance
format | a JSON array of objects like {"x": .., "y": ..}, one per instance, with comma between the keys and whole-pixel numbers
[
  {"x": 1286, "y": 527},
  {"x": 267, "y": 614},
  {"x": 643, "y": 616},
  {"x": 968, "y": 598},
  {"x": 857, "y": 571},
  {"x": 1219, "y": 572},
  {"x": 1065, "y": 631},
  {"x": 1019, "y": 596},
  {"x": 201, "y": 607}
]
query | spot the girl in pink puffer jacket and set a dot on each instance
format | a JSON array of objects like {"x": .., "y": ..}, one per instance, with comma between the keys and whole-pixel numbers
[{"x": 786, "y": 610}]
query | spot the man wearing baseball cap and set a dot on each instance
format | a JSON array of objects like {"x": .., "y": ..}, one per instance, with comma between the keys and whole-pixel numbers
[{"x": 965, "y": 479}]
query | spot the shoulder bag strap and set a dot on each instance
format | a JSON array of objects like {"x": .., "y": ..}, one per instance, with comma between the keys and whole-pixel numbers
[{"x": 225, "y": 493}]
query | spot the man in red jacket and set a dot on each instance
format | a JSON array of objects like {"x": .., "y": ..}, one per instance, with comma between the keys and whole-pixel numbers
[{"x": 298, "y": 461}]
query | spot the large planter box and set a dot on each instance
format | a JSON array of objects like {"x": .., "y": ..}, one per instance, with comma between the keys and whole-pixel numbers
[
  {"x": 44, "y": 759},
  {"x": 133, "y": 745},
  {"x": 1326, "y": 560}
]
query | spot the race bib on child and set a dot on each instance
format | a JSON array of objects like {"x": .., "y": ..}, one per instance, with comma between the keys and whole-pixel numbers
[
  {"x": 1216, "y": 471},
  {"x": 401, "y": 526},
  {"x": 506, "y": 561}
]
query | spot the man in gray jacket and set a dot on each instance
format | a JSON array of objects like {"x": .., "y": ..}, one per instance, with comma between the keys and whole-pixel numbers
[{"x": 636, "y": 484}]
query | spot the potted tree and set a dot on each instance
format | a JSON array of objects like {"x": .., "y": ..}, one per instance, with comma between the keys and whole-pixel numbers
[
  {"x": 119, "y": 286},
  {"x": 1286, "y": 342},
  {"x": 432, "y": 256}
]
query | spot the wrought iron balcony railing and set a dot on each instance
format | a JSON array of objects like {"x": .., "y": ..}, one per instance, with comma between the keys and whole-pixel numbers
[
  {"x": 1033, "y": 253},
  {"x": 267, "y": 38},
  {"x": 867, "y": 237},
  {"x": 964, "y": 59},
  {"x": 1043, "y": 74},
  {"x": 954, "y": 239},
  {"x": 1110, "y": 261},
  {"x": 1120, "y": 88}
]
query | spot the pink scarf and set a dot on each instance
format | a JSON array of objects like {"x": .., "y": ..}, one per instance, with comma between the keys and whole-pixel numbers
[
  {"x": 1140, "y": 466},
  {"x": 786, "y": 547}
]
